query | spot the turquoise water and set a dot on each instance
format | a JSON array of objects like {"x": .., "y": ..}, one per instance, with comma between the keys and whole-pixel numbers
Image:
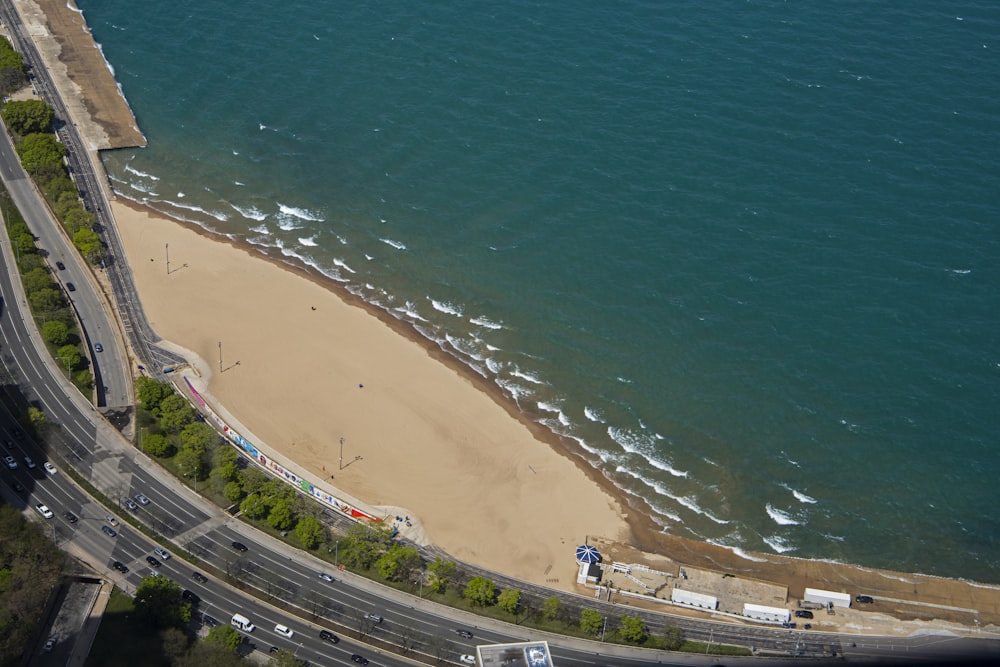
[{"x": 745, "y": 253}]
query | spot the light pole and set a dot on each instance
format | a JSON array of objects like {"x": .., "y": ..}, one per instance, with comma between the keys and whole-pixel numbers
[
  {"x": 603, "y": 629},
  {"x": 336, "y": 553},
  {"x": 167, "y": 247},
  {"x": 341, "y": 453},
  {"x": 220, "y": 356}
]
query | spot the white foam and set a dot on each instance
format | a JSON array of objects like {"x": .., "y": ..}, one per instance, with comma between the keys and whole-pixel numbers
[
  {"x": 486, "y": 322},
  {"x": 218, "y": 215},
  {"x": 300, "y": 213},
  {"x": 129, "y": 168},
  {"x": 744, "y": 555},
  {"x": 639, "y": 444},
  {"x": 308, "y": 241},
  {"x": 524, "y": 375},
  {"x": 410, "y": 310},
  {"x": 343, "y": 265},
  {"x": 445, "y": 307},
  {"x": 250, "y": 212},
  {"x": 515, "y": 390},
  {"x": 395, "y": 244},
  {"x": 261, "y": 229},
  {"x": 779, "y": 544},
  {"x": 781, "y": 518},
  {"x": 666, "y": 467},
  {"x": 592, "y": 414},
  {"x": 288, "y": 225},
  {"x": 803, "y": 498}
]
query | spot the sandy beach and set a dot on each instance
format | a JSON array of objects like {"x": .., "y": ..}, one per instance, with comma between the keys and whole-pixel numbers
[{"x": 303, "y": 368}]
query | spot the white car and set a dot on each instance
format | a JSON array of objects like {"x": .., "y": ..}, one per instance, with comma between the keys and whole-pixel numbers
[
  {"x": 111, "y": 520},
  {"x": 374, "y": 618},
  {"x": 44, "y": 511},
  {"x": 467, "y": 659},
  {"x": 49, "y": 468},
  {"x": 162, "y": 553},
  {"x": 11, "y": 463},
  {"x": 284, "y": 630}
]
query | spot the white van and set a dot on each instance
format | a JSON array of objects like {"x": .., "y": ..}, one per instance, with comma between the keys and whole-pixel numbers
[{"x": 241, "y": 622}]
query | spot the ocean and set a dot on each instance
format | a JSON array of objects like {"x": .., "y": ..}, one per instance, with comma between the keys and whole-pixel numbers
[{"x": 745, "y": 254}]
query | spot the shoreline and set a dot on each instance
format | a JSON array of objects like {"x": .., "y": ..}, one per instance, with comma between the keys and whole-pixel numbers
[{"x": 644, "y": 539}]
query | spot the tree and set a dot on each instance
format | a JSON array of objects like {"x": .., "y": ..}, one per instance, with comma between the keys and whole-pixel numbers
[
  {"x": 212, "y": 653},
  {"x": 89, "y": 244},
  {"x": 551, "y": 608},
  {"x": 70, "y": 356},
  {"x": 39, "y": 422},
  {"x": 232, "y": 491},
  {"x": 83, "y": 378},
  {"x": 224, "y": 474},
  {"x": 158, "y": 445},
  {"x": 36, "y": 279},
  {"x": 46, "y": 300},
  {"x": 38, "y": 150},
  {"x": 674, "y": 638},
  {"x": 224, "y": 635},
  {"x": 280, "y": 517},
  {"x": 480, "y": 592},
  {"x": 283, "y": 658},
  {"x": 158, "y": 601},
  {"x": 398, "y": 563},
  {"x": 198, "y": 436},
  {"x": 309, "y": 531},
  {"x": 55, "y": 187},
  {"x": 28, "y": 116},
  {"x": 175, "y": 413},
  {"x": 224, "y": 455},
  {"x": 76, "y": 219},
  {"x": 510, "y": 601},
  {"x": 252, "y": 479},
  {"x": 591, "y": 622},
  {"x": 442, "y": 574},
  {"x": 633, "y": 629},
  {"x": 55, "y": 332},
  {"x": 174, "y": 643},
  {"x": 190, "y": 464},
  {"x": 150, "y": 392},
  {"x": 363, "y": 543},
  {"x": 254, "y": 507}
]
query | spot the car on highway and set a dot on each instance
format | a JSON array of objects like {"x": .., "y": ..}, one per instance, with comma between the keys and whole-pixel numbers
[
  {"x": 120, "y": 566},
  {"x": 162, "y": 553},
  {"x": 110, "y": 519},
  {"x": 98, "y": 347},
  {"x": 28, "y": 463},
  {"x": 374, "y": 618},
  {"x": 49, "y": 468},
  {"x": 199, "y": 577},
  {"x": 328, "y": 636},
  {"x": 190, "y": 596},
  {"x": 802, "y": 613},
  {"x": 358, "y": 658},
  {"x": 467, "y": 659},
  {"x": 72, "y": 518},
  {"x": 464, "y": 633},
  {"x": 71, "y": 287},
  {"x": 209, "y": 621},
  {"x": 18, "y": 433},
  {"x": 152, "y": 561},
  {"x": 50, "y": 644},
  {"x": 864, "y": 599},
  {"x": 44, "y": 511},
  {"x": 239, "y": 546},
  {"x": 132, "y": 507},
  {"x": 109, "y": 531},
  {"x": 11, "y": 463},
  {"x": 325, "y": 577},
  {"x": 284, "y": 630},
  {"x": 16, "y": 485},
  {"x": 60, "y": 266},
  {"x": 153, "y": 573},
  {"x": 143, "y": 500}
]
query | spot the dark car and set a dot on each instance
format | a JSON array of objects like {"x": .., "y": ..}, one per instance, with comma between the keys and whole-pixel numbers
[
  {"x": 72, "y": 518},
  {"x": 802, "y": 613},
  {"x": 100, "y": 348},
  {"x": 864, "y": 599},
  {"x": 60, "y": 266},
  {"x": 358, "y": 658},
  {"x": 275, "y": 649},
  {"x": 71, "y": 287},
  {"x": 17, "y": 486},
  {"x": 209, "y": 621},
  {"x": 152, "y": 561},
  {"x": 464, "y": 633},
  {"x": 328, "y": 636},
  {"x": 239, "y": 546},
  {"x": 120, "y": 566},
  {"x": 788, "y": 625},
  {"x": 198, "y": 576},
  {"x": 130, "y": 505},
  {"x": 190, "y": 596},
  {"x": 109, "y": 531}
]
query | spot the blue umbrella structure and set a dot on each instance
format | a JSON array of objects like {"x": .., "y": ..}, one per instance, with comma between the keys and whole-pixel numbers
[{"x": 587, "y": 554}]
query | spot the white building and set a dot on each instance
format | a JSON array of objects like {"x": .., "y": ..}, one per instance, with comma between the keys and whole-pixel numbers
[
  {"x": 827, "y": 597},
  {"x": 692, "y": 599},
  {"x": 763, "y": 613}
]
